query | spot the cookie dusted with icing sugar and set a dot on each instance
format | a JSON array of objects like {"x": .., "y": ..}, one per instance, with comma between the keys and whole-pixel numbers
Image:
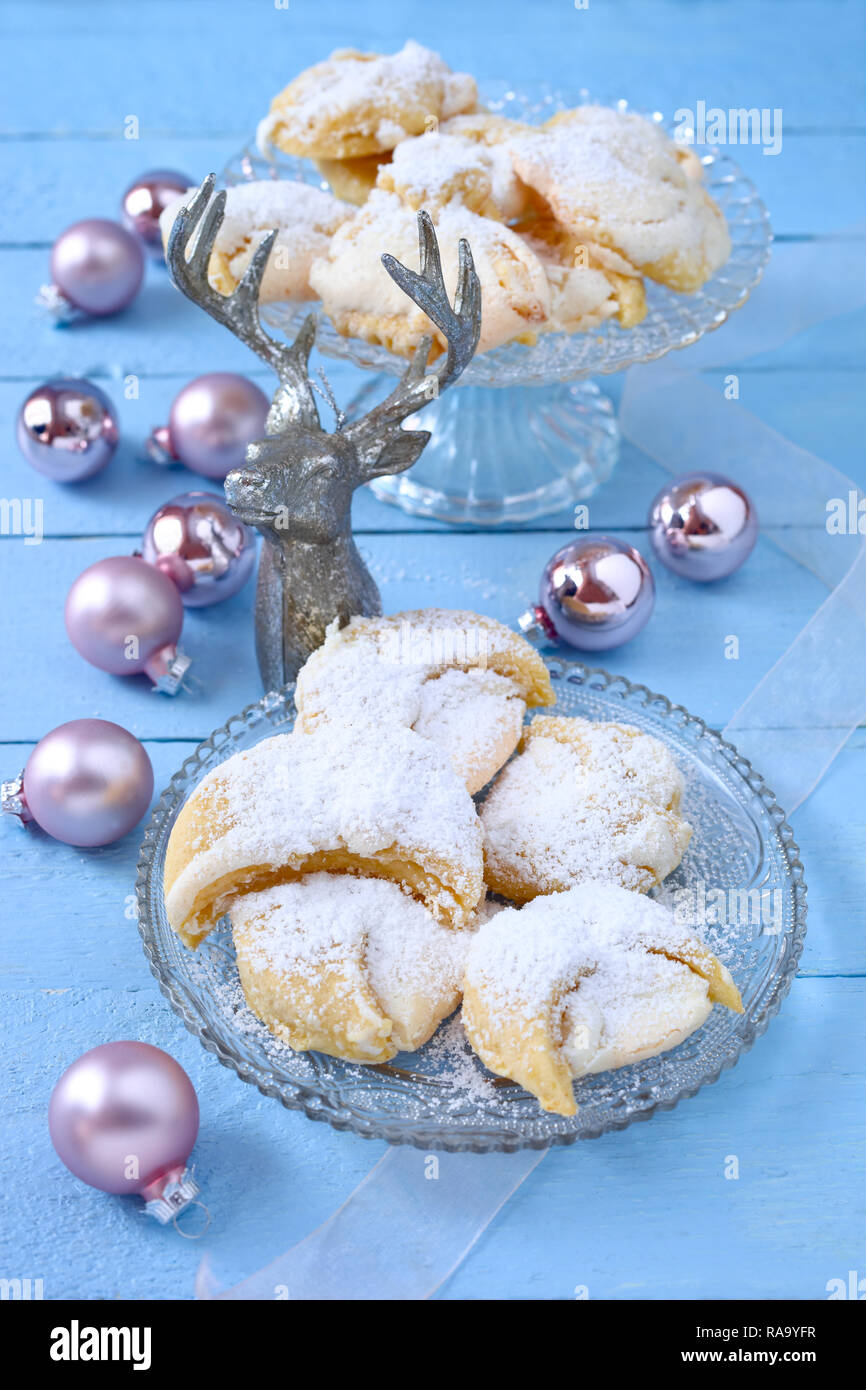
[
  {"x": 588, "y": 282},
  {"x": 458, "y": 678},
  {"x": 352, "y": 180},
  {"x": 356, "y": 104},
  {"x": 585, "y": 981},
  {"x": 305, "y": 219},
  {"x": 353, "y": 967},
  {"x": 583, "y": 802},
  {"x": 363, "y": 301},
  {"x": 614, "y": 178},
  {"x": 387, "y": 805},
  {"x": 433, "y": 169}
]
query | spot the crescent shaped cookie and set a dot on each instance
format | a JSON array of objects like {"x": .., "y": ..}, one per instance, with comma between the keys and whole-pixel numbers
[
  {"x": 356, "y": 104},
  {"x": 584, "y": 981},
  {"x": 349, "y": 966},
  {"x": 388, "y": 805},
  {"x": 613, "y": 178},
  {"x": 458, "y": 678},
  {"x": 362, "y": 300},
  {"x": 304, "y": 217},
  {"x": 583, "y": 802}
]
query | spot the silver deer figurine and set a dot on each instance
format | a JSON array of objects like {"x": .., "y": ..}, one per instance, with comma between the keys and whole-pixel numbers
[{"x": 296, "y": 485}]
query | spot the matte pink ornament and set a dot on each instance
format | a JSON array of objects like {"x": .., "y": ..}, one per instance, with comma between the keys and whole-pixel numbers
[
  {"x": 87, "y": 783},
  {"x": 97, "y": 268},
  {"x": 124, "y": 1118},
  {"x": 125, "y": 617},
  {"x": 211, "y": 422}
]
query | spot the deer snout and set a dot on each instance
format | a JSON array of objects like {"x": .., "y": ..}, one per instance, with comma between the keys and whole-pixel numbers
[{"x": 242, "y": 487}]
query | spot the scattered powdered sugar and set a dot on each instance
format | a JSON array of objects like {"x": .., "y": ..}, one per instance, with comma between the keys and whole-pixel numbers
[{"x": 598, "y": 803}]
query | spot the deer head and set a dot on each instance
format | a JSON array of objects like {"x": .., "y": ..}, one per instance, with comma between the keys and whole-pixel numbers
[{"x": 296, "y": 485}]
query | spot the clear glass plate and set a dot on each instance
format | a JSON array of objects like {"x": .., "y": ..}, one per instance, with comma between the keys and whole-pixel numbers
[
  {"x": 442, "y": 1097},
  {"x": 497, "y": 458}
]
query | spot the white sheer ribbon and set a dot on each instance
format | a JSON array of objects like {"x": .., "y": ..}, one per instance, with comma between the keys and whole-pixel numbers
[
  {"x": 414, "y": 1217},
  {"x": 398, "y": 1236}
]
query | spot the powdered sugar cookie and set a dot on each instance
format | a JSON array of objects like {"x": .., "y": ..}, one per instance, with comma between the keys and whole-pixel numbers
[
  {"x": 304, "y": 217},
  {"x": 614, "y": 178},
  {"x": 485, "y": 127},
  {"x": 584, "y": 981},
  {"x": 350, "y": 966},
  {"x": 583, "y": 802},
  {"x": 435, "y": 168},
  {"x": 363, "y": 301},
  {"x": 588, "y": 282},
  {"x": 356, "y": 104},
  {"x": 353, "y": 180},
  {"x": 388, "y": 805},
  {"x": 458, "y": 678}
]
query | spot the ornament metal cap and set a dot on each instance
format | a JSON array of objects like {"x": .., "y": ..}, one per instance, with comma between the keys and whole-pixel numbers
[
  {"x": 536, "y": 626},
  {"x": 158, "y": 447},
  {"x": 54, "y": 304},
  {"x": 170, "y": 1195},
  {"x": 167, "y": 668},
  {"x": 12, "y": 802}
]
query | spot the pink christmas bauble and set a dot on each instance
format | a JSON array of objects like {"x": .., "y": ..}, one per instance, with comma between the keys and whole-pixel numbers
[
  {"x": 202, "y": 546},
  {"x": 144, "y": 201},
  {"x": 211, "y": 422},
  {"x": 87, "y": 783},
  {"x": 124, "y": 1117},
  {"x": 98, "y": 266},
  {"x": 121, "y": 613},
  {"x": 67, "y": 429}
]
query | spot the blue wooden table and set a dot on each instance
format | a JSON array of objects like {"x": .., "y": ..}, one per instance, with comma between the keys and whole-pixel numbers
[{"x": 647, "y": 1213}]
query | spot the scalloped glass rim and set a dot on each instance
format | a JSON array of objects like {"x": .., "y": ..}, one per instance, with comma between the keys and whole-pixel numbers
[
  {"x": 674, "y": 320},
  {"x": 402, "y": 1105}
]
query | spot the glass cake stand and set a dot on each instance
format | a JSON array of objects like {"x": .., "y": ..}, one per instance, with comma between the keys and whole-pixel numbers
[
  {"x": 441, "y": 1097},
  {"x": 526, "y": 432}
]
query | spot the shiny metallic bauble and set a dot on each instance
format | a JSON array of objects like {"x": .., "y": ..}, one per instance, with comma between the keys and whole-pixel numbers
[
  {"x": 596, "y": 593},
  {"x": 703, "y": 526}
]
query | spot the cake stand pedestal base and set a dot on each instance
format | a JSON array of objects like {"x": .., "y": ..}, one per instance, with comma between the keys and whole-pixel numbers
[{"x": 502, "y": 455}]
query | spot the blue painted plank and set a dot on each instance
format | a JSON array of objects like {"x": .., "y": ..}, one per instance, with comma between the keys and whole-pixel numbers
[
  {"x": 163, "y": 332},
  {"x": 824, "y": 412},
  {"x": 647, "y": 1213},
  {"x": 680, "y": 653},
  {"x": 641, "y": 1219},
  {"x": 56, "y": 191},
  {"x": 217, "y": 72},
  {"x": 89, "y": 940}
]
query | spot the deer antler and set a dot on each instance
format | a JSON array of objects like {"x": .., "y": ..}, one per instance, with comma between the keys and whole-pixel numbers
[
  {"x": 188, "y": 255},
  {"x": 461, "y": 326}
]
